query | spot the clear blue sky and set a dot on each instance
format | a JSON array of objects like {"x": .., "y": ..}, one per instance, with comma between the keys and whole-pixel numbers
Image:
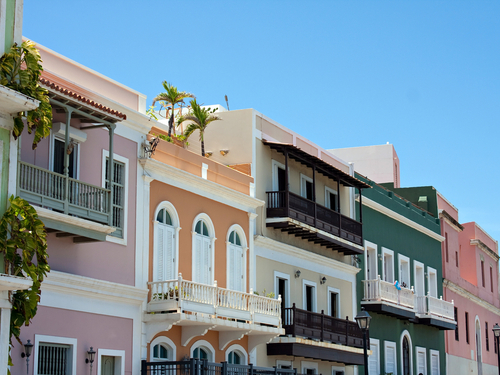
[{"x": 422, "y": 75}]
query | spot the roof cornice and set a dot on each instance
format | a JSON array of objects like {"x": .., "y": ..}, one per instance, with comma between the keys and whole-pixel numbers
[
  {"x": 450, "y": 220},
  {"x": 470, "y": 296},
  {"x": 485, "y": 248}
]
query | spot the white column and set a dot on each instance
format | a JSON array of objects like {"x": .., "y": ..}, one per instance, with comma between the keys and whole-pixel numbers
[
  {"x": 4, "y": 330},
  {"x": 251, "y": 252}
]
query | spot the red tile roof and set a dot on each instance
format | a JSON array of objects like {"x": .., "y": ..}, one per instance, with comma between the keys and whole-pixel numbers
[{"x": 81, "y": 98}]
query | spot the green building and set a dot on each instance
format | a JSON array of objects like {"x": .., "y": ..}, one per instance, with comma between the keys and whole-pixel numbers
[{"x": 400, "y": 284}]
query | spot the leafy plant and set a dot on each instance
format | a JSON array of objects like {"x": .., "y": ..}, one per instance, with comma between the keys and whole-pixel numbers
[
  {"x": 20, "y": 70},
  {"x": 23, "y": 243},
  {"x": 268, "y": 295},
  {"x": 171, "y": 96},
  {"x": 199, "y": 119}
]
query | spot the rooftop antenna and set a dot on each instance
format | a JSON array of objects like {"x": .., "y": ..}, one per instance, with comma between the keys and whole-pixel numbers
[{"x": 227, "y": 103}]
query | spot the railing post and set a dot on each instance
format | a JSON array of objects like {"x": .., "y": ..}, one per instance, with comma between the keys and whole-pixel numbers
[
  {"x": 275, "y": 370},
  {"x": 379, "y": 288},
  {"x": 293, "y": 319},
  {"x": 322, "y": 324},
  {"x": 144, "y": 367},
  {"x": 251, "y": 369},
  {"x": 224, "y": 368},
  {"x": 347, "y": 330}
]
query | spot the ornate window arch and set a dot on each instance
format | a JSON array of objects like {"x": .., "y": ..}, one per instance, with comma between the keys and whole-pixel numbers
[
  {"x": 162, "y": 349},
  {"x": 202, "y": 349},
  {"x": 406, "y": 353},
  {"x": 236, "y": 355},
  {"x": 166, "y": 242},
  {"x": 203, "y": 233},
  {"x": 236, "y": 258}
]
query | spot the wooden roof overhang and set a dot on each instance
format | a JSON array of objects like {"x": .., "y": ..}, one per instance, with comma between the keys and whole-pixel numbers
[{"x": 321, "y": 166}]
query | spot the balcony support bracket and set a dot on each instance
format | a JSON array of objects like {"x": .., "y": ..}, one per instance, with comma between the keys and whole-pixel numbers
[
  {"x": 255, "y": 340},
  {"x": 153, "y": 328},
  {"x": 225, "y": 337},
  {"x": 190, "y": 332}
]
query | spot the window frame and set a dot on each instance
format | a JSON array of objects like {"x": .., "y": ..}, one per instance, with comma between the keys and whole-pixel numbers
[
  {"x": 204, "y": 345},
  {"x": 432, "y": 283},
  {"x": 211, "y": 236},
  {"x": 244, "y": 245},
  {"x": 125, "y": 161},
  {"x": 327, "y": 200},
  {"x": 376, "y": 343},
  {"x": 389, "y": 253},
  {"x": 276, "y": 164},
  {"x": 419, "y": 349},
  {"x": 330, "y": 291},
  {"x": 435, "y": 353},
  {"x": 309, "y": 365},
  {"x": 404, "y": 334},
  {"x": 404, "y": 259},
  {"x": 176, "y": 225},
  {"x": 162, "y": 340},
  {"x": 237, "y": 348},
  {"x": 373, "y": 247},
  {"x": 304, "y": 179},
  {"x": 390, "y": 344},
  {"x": 73, "y": 343},
  {"x": 305, "y": 284},
  {"x": 419, "y": 265},
  {"x": 119, "y": 359}
]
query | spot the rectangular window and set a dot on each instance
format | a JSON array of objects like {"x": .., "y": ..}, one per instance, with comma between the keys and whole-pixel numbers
[
  {"x": 404, "y": 271},
  {"x": 390, "y": 357},
  {"x": 309, "y": 368},
  {"x": 374, "y": 359},
  {"x": 491, "y": 278},
  {"x": 467, "y": 327},
  {"x": 281, "y": 288},
  {"x": 306, "y": 187},
  {"x": 418, "y": 277},
  {"x": 331, "y": 199},
  {"x": 432, "y": 283},
  {"x": 388, "y": 270},
  {"x": 309, "y": 295},
  {"x": 334, "y": 302},
  {"x": 371, "y": 269},
  {"x": 421, "y": 360},
  {"x": 54, "y": 355},
  {"x": 482, "y": 272},
  {"x": 434, "y": 362},
  {"x": 118, "y": 187},
  {"x": 456, "y": 258},
  {"x": 456, "y": 328},
  {"x": 446, "y": 245},
  {"x": 487, "y": 337}
]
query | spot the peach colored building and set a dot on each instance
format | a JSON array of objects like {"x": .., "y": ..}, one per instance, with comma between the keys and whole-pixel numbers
[
  {"x": 470, "y": 272},
  {"x": 200, "y": 221},
  {"x": 94, "y": 294}
]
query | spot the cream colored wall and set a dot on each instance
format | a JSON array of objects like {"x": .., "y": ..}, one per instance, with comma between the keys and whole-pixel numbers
[{"x": 265, "y": 281}]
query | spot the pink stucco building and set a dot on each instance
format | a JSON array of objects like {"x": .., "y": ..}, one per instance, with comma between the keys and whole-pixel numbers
[{"x": 470, "y": 272}]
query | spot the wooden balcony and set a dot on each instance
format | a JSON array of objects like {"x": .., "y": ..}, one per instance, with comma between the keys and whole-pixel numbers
[
  {"x": 319, "y": 336},
  {"x": 321, "y": 225},
  {"x": 383, "y": 297}
]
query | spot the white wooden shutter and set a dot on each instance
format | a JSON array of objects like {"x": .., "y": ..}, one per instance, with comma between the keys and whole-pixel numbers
[
  {"x": 434, "y": 364},
  {"x": 198, "y": 259},
  {"x": 373, "y": 360},
  {"x": 231, "y": 267},
  {"x": 390, "y": 366},
  {"x": 421, "y": 363},
  {"x": 235, "y": 267},
  {"x": 206, "y": 261},
  {"x": 160, "y": 252},
  {"x": 169, "y": 253}
]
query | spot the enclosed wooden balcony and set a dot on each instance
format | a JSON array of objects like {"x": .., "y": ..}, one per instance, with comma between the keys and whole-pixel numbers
[{"x": 342, "y": 339}]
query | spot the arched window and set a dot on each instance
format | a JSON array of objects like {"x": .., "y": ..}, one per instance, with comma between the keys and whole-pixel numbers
[
  {"x": 166, "y": 227},
  {"x": 203, "y": 350},
  {"x": 203, "y": 254},
  {"x": 236, "y": 355},
  {"x": 162, "y": 349},
  {"x": 406, "y": 354},
  {"x": 236, "y": 259}
]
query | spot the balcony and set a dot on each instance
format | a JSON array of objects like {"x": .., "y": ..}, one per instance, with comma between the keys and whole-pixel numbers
[
  {"x": 383, "y": 297},
  {"x": 435, "y": 312},
  {"x": 316, "y": 223},
  {"x": 202, "y": 367},
  {"x": 342, "y": 340},
  {"x": 68, "y": 196},
  {"x": 199, "y": 307}
]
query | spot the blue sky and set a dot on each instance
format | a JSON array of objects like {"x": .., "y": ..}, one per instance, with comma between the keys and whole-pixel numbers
[{"x": 422, "y": 75}]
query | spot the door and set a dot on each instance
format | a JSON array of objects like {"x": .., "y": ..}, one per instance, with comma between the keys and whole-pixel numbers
[
  {"x": 406, "y": 356},
  {"x": 58, "y": 162},
  {"x": 371, "y": 264},
  {"x": 107, "y": 365}
]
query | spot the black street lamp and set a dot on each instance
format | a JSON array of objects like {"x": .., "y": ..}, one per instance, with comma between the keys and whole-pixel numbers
[
  {"x": 363, "y": 320},
  {"x": 28, "y": 347},
  {"x": 90, "y": 358},
  {"x": 496, "y": 332}
]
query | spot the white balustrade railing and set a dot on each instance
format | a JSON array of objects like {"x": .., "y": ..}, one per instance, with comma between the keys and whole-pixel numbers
[
  {"x": 175, "y": 292},
  {"x": 380, "y": 290},
  {"x": 428, "y": 305}
]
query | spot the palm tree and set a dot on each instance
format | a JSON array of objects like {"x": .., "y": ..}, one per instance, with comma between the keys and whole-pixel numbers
[
  {"x": 171, "y": 96},
  {"x": 199, "y": 119}
]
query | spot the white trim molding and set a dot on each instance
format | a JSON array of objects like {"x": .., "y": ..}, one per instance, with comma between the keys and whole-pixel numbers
[
  {"x": 407, "y": 334},
  {"x": 119, "y": 360},
  {"x": 238, "y": 348},
  {"x": 162, "y": 340},
  {"x": 56, "y": 340}
]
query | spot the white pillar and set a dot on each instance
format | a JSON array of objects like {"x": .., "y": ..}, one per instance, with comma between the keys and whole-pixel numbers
[
  {"x": 251, "y": 251},
  {"x": 4, "y": 331}
]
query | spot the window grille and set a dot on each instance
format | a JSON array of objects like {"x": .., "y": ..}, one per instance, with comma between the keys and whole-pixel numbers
[
  {"x": 118, "y": 195},
  {"x": 53, "y": 359}
]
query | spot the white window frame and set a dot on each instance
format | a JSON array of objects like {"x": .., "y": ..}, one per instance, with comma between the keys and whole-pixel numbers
[
  {"x": 125, "y": 161},
  {"x": 419, "y": 349},
  {"x": 76, "y": 150},
  {"x": 432, "y": 287},
  {"x": 211, "y": 235},
  {"x": 315, "y": 294},
  {"x": 337, "y": 292},
  {"x": 407, "y": 334},
  {"x": 238, "y": 229},
  {"x": 275, "y": 165},
  {"x": 389, "y": 253},
  {"x": 309, "y": 365},
  {"x": 375, "y": 342},
  {"x": 435, "y": 353},
  {"x": 280, "y": 363},
  {"x": 327, "y": 200},
  {"x": 284, "y": 276},
  {"x": 205, "y": 344},
  {"x": 338, "y": 368},
  {"x": 162, "y": 340},
  {"x": 391, "y": 344},
  {"x": 303, "y": 190},
  {"x": 55, "y": 340},
  {"x": 420, "y": 265},
  {"x": 238, "y": 348},
  {"x": 406, "y": 260},
  {"x": 119, "y": 360},
  {"x": 373, "y": 247},
  {"x": 176, "y": 225}
]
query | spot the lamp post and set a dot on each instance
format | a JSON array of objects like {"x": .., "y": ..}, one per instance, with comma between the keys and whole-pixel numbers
[
  {"x": 496, "y": 332},
  {"x": 90, "y": 358},
  {"x": 28, "y": 347},
  {"x": 363, "y": 320}
]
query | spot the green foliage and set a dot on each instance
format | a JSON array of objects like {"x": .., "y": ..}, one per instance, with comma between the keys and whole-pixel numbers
[
  {"x": 199, "y": 118},
  {"x": 170, "y": 97},
  {"x": 20, "y": 70},
  {"x": 23, "y": 243},
  {"x": 264, "y": 293}
]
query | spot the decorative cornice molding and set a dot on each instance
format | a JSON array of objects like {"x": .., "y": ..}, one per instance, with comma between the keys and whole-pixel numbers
[
  {"x": 470, "y": 296},
  {"x": 485, "y": 248},
  {"x": 450, "y": 220},
  {"x": 185, "y": 180},
  {"x": 72, "y": 220},
  {"x": 402, "y": 219},
  {"x": 93, "y": 288},
  {"x": 281, "y": 247}
]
